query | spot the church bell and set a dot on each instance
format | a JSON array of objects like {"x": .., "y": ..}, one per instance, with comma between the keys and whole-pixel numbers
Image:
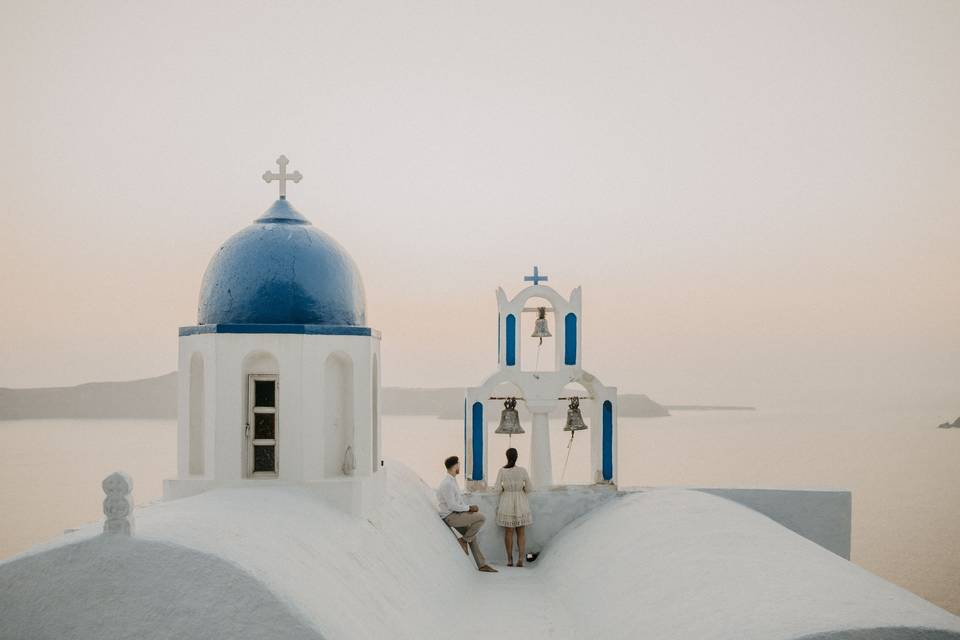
[
  {"x": 574, "y": 417},
  {"x": 509, "y": 418},
  {"x": 540, "y": 329}
]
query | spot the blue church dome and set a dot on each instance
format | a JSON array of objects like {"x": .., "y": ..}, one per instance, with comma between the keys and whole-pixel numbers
[{"x": 282, "y": 270}]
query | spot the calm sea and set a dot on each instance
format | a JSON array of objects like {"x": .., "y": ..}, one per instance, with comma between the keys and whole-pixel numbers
[{"x": 903, "y": 472}]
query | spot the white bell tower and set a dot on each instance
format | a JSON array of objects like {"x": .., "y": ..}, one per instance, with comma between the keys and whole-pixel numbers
[{"x": 541, "y": 391}]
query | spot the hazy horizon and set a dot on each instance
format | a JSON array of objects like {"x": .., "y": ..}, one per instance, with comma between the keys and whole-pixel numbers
[{"x": 760, "y": 201}]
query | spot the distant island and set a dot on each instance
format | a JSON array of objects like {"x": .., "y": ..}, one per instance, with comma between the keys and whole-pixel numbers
[
  {"x": 707, "y": 407},
  {"x": 948, "y": 425},
  {"x": 156, "y": 398},
  {"x": 146, "y": 398}
]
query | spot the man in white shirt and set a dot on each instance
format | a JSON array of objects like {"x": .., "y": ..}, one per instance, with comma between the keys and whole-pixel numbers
[{"x": 465, "y": 518}]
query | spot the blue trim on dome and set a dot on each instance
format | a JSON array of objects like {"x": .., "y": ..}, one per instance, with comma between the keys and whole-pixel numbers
[{"x": 302, "y": 329}]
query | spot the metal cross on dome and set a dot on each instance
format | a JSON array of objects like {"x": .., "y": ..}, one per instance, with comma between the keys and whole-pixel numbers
[
  {"x": 536, "y": 277},
  {"x": 282, "y": 176}
]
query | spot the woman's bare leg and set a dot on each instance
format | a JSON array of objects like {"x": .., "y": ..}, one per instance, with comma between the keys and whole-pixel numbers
[
  {"x": 521, "y": 545},
  {"x": 508, "y": 543}
]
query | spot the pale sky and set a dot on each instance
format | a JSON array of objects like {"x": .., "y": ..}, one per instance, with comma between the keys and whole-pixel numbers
[{"x": 761, "y": 200}]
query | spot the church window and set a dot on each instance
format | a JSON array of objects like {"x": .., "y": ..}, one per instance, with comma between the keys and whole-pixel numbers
[
  {"x": 261, "y": 427},
  {"x": 264, "y": 426},
  {"x": 265, "y": 392},
  {"x": 264, "y": 459}
]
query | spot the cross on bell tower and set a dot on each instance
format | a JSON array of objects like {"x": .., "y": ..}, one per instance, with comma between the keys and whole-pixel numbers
[
  {"x": 282, "y": 176},
  {"x": 536, "y": 278}
]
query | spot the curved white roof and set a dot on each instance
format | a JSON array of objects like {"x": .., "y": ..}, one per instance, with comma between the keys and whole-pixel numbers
[{"x": 663, "y": 563}]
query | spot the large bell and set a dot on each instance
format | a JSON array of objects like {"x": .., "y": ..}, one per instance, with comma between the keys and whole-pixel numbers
[
  {"x": 509, "y": 418},
  {"x": 574, "y": 417},
  {"x": 540, "y": 329}
]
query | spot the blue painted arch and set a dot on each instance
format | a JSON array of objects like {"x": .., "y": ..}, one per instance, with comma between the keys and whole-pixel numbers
[
  {"x": 570, "y": 339},
  {"x": 511, "y": 338},
  {"x": 476, "y": 466},
  {"x": 607, "y": 437}
]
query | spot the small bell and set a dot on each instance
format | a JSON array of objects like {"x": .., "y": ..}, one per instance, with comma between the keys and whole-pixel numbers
[
  {"x": 509, "y": 418},
  {"x": 574, "y": 417},
  {"x": 540, "y": 329}
]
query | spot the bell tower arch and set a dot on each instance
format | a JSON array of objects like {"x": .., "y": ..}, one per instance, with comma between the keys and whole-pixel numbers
[{"x": 540, "y": 391}]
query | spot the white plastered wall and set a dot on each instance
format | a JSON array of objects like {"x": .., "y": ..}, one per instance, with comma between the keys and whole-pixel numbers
[{"x": 300, "y": 362}]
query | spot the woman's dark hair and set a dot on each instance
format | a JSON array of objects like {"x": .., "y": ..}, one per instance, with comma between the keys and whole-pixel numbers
[
  {"x": 511, "y": 458},
  {"x": 449, "y": 462}
]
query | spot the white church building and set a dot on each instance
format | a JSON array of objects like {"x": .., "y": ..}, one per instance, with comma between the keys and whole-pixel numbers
[{"x": 280, "y": 377}]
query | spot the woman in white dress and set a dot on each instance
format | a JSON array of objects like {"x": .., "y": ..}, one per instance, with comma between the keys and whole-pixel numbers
[{"x": 513, "y": 511}]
